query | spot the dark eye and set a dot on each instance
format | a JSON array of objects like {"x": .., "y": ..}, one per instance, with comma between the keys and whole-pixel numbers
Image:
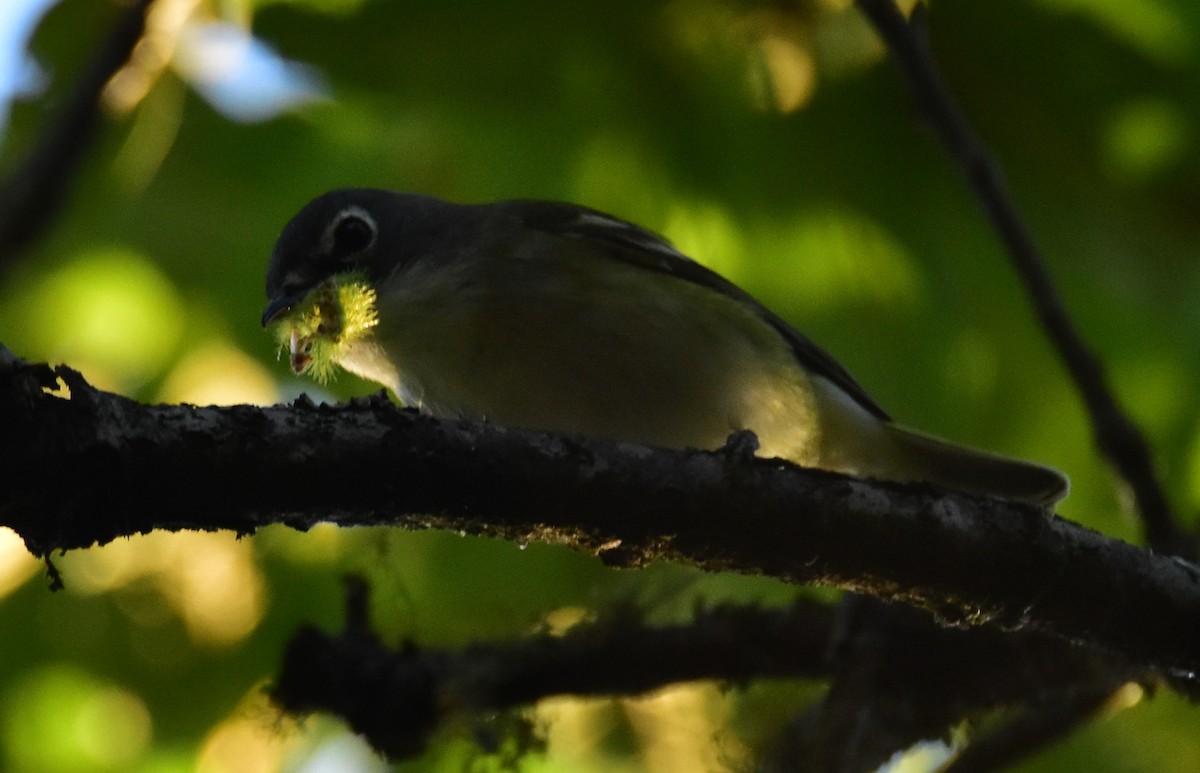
[{"x": 352, "y": 233}]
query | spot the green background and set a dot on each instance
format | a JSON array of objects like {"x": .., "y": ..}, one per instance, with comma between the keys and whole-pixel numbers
[{"x": 772, "y": 142}]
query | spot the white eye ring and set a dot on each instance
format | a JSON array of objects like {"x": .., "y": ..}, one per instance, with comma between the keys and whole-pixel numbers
[{"x": 329, "y": 241}]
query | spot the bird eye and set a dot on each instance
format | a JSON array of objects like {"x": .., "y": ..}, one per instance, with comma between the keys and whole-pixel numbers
[{"x": 352, "y": 232}]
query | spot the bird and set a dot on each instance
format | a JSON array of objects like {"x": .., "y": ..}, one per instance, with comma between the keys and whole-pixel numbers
[{"x": 556, "y": 317}]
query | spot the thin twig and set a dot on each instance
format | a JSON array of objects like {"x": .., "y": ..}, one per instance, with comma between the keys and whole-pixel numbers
[
  {"x": 32, "y": 194},
  {"x": 1035, "y": 731},
  {"x": 1116, "y": 435},
  {"x": 1118, "y": 438},
  {"x": 397, "y": 698}
]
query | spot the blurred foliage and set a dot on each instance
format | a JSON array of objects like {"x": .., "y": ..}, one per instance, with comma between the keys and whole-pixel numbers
[{"x": 768, "y": 139}]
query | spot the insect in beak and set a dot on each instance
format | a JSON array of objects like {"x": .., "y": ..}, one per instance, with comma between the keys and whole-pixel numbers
[{"x": 300, "y": 358}]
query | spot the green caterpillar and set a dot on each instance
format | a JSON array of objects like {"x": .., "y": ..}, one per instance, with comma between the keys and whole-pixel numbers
[{"x": 318, "y": 331}]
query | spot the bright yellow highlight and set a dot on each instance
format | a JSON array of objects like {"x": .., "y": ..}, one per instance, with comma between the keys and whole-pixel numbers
[
  {"x": 257, "y": 737},
  {"x": 559, "y": 621},
  {"x": 165, "y": 23},
  {"x": 63, "y": 718},
  {"x": 332, "y": 317},
  {"x": 254, "y": 740},
  {"x": 1126, "y": 696},
  {"x": 210, "y": 581},
  {"x": 707, "y": 233},
  {"x": 919, "y": 758},
  {"x": 780, "y": 55},
  {"x": 677, "y": 728},
  {"x": 790, "y": 74},
  {"x": 16, "y": 564},
  {"x": 217, "y": 373},
  {"x": 109, "y": 313}
]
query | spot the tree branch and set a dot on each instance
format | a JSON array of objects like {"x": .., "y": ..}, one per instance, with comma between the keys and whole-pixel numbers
[
  {"x": 89, "y": 466},
  {"x": 396, "y": 699},
  {"x": 1118, "y": 438},
  {"x": 33, "y": 192},
  {"x": 81, "y": 466}
]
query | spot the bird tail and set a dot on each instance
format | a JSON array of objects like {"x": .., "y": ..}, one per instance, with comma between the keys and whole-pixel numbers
[{"x": 978, "y": 472}]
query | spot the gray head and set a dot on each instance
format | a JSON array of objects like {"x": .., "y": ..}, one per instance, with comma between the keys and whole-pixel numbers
[{"x": 355, "y": 229}]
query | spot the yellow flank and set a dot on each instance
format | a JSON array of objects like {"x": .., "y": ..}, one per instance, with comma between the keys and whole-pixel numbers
[
  {"x": 623, "y": 353},
  {"x": 335, "y": 315}
]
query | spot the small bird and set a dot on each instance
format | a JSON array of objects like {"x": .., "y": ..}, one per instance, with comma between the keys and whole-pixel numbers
[{"x": 556, "y": 317}]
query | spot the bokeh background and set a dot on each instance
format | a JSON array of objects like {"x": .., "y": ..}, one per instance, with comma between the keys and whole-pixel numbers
[{"x": 770, "y": 140}]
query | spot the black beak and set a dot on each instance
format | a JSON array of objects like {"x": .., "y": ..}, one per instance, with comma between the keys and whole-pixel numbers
[{"x": 277, "y": 308}]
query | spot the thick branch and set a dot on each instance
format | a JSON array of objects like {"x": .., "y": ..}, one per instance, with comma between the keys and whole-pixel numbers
[
  {"x": 94, "y": 466},
  {"x": 1118, "y": 438}
]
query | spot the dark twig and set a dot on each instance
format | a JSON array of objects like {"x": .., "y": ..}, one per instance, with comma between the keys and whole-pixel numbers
[
  {"x": 1121, "y": 442},
  {"x": 32, "y": 193},
  {"x": 1118, "y": 437},
  {"x": 396, "y": 699}
]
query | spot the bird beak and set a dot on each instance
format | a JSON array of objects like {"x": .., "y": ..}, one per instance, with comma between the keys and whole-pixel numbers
[{"x": 277, "y": 308}]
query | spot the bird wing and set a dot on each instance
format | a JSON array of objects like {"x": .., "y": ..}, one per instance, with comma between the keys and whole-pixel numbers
[{"x": 645, "y": 249}]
